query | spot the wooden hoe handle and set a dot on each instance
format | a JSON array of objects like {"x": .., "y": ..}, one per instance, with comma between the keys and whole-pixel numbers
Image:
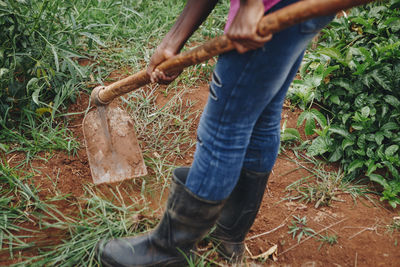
[{"x": 269, "y": 24}]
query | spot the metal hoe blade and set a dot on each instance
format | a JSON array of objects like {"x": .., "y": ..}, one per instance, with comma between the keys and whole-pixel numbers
[{"x": 113, "y": 150}]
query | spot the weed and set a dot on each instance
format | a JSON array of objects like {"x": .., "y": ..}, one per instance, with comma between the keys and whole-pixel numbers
[
  {"x": 299, "y": 228},
  {"x": 395, "y": 225},
  {"x": 327, "y": 239},
  {"x": 321, "y": 186}
]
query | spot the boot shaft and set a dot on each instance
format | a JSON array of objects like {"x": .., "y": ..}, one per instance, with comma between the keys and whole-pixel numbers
[{"x": 187, "y": 218}]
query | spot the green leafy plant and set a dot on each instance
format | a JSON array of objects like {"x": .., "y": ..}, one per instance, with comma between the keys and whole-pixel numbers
[
  {"x": 38, "y": 57},
  {"x": 299, "y": 228},
  {"x": 328, "y": 239},
  {"x": 354, "y": 78},
  {"x": 289, "y": 134}
]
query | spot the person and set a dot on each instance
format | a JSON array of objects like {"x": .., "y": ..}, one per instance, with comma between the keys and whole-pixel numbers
[{"x": 238, "y": 136}]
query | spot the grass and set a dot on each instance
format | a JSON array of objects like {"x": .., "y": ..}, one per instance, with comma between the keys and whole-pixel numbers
[
  {"x": 166, "y": 132},
  {"x": 395, "y": 225},
  {"x": 322, "y": 186},
  {"x": 109, "y": 219},
  {"x": 111, "y": 35},
  {"x": 328, "y": 239}
]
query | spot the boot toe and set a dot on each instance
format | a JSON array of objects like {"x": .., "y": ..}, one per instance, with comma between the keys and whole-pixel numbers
[
  {"x": 123, "y": 251},
  {"x": 104, "y": 253}
]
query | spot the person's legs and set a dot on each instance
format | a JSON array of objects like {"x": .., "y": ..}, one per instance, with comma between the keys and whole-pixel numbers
[
  {"x": 263, "y": 147},
  {"x": 241, "y": 89},
  {"x": 243, "y": 86},
  {"x": 244, "y": 202}
]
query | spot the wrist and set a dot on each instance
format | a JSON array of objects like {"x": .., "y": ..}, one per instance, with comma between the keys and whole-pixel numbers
[{"x": 173, "y": 42}]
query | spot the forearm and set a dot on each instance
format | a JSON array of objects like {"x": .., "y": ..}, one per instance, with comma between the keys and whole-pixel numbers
[{"x": 194, "y": 13}]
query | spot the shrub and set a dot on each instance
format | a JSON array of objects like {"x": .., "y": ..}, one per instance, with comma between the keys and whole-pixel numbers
[
  {"x": 354, "y": 75},
  {"x": 38, "y": 62}
]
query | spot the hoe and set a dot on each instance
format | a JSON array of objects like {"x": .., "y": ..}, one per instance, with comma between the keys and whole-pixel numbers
[{"x": 112, "y": 148}]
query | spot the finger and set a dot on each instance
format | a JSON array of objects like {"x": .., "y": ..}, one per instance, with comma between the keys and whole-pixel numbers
[
  {"x": 150, "y": 72},
  {"x": 256, "y": 41},
  {"x": 240, "y": 48},
  {"x": 246, "y": 45},
  {"x": 262, "y": 39},
  {"x": 154, "y": 78},
  {"x": 159, "y": 76},
  {"x": 163, "y": 78},
  {"x": 250, "y": 44}
]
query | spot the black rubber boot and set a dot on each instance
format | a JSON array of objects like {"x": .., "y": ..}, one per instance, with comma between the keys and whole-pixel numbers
[
  {"x": 238, "y": 214},
  {"x": 186, "y": 220}
]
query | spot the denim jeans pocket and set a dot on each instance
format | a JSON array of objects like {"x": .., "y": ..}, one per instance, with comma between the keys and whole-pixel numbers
[{"x": 316, "y": 24}]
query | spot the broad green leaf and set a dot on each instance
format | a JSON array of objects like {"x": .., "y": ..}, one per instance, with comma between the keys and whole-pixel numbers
[
  {"x": 357, "y": 126},
  {"x": 394, "y": 203},
  {"x": 371, "y": 168},
  {"x": 381, "y": 80},
  {"x": 347, "y": 143},
  {"x": 319, "y": 117},
  {"x": 378, "y": 179},
  {"x": 332, "y": 53},
  {"x": 392, "y": 169},
  {"x": 391, "y": 150},
  {"x": 301, "y": 118},
  {"x": 365, "y": 112},
  {"x": 336, "y": 155},
  {"x": 361, "y": 21},
  {"x": 343, "y": 82},
  {"x": 310, "y": 126},
  {"x": 335, "y": 99},
  {"x": 370, "y": 152},
  {"x": 290, "y": 134},
  {"x": 392, "y": 101},
  {"x": 394, "y": 24},
  {"x": 356, "y": 164},
  {"x": 309, "y": 116},
  {"x": 390, "y": 126},
  {"x": 342, "y": 132},
  {"x": 319, "y": 146}
]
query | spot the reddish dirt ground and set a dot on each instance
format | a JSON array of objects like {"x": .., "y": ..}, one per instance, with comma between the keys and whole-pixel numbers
[{"x": 361, "y": 227}]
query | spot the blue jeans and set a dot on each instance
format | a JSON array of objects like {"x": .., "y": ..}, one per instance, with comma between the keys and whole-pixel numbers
[{"x": 240, "y": 125}]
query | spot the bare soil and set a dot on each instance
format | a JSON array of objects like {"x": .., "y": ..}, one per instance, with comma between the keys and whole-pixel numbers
[{"x": 361, "y": 227}]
